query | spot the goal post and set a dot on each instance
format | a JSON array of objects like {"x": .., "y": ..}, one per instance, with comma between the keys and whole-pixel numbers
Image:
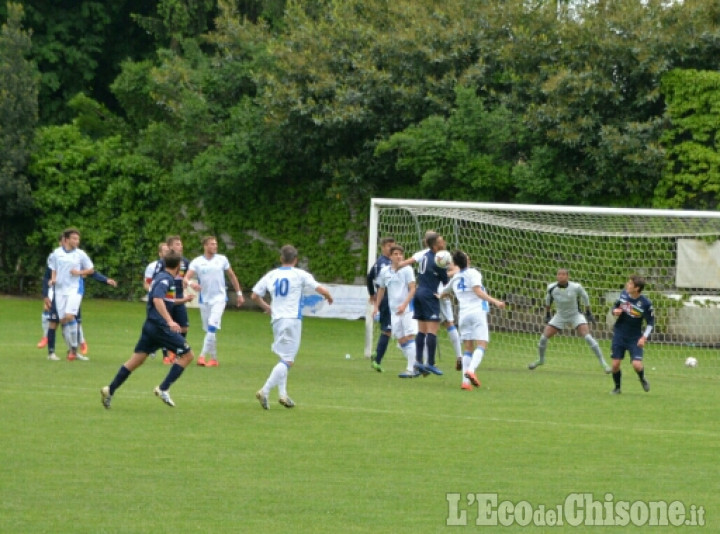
[{"x": 519, "y": 248}]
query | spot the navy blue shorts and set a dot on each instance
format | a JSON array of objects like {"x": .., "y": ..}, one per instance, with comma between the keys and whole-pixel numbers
[
  {"x": 154, "y": 337},
  {"x": 622, "y": 344},
  {"x": 180, "y": 315},
  {"x": 426, "y": 306},
  {"x": 53, "y": 312}
]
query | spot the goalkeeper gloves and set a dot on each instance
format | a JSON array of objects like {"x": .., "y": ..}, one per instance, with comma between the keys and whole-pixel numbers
[{"x": 589, "y": 316}]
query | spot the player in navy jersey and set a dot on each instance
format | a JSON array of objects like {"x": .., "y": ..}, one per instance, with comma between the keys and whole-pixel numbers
[
  {"x": 159, "y": 330},
  {"x": 384, "y": 318},
  {"x": 427, "y": 305},
  {"x": 180, "y": 315},
  {"x": 631, "y": 309}
]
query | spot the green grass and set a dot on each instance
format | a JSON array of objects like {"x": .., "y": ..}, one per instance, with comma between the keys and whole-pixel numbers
[{"x": 361, "y": 452}]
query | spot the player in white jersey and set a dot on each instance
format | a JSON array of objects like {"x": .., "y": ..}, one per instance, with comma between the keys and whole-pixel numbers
[
  {"x": 210, "y": 269},
  {"x": 69, "y": 264},
  {"x": 399, "y": 284},
  {"x": 567, "y": 296},
  {"x": 474, "y": 301},
  {"x": 151, "y": 268},
  {"x": 447, "y": 318},
  {"x": 286, "y": 286}
]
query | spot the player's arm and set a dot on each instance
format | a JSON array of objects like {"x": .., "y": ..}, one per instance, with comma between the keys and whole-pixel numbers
[
  {"x": 100, "y": 277},
  {"x": 264, "y": 306},
  {"x": 370, "y": 282},
  {"x": 236, "y": 287},
  {"x": 585, "y": 301},
  {"x": 548, "y": 303},
  {"x": 486, "y": 296},
  {"x": 325, "y": 293},
  {"x": 378, "y": 299},
  {"x": 409, "y": 261},
  {"x": 188, "y": 281},
  {"x": 649, "y": 315},
  {"x": 412, "y": 286}
]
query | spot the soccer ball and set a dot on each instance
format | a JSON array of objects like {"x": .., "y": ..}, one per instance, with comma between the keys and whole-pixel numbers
[
  {"x": 443, "y": 259},
  {"x": 691, "y": 362}
]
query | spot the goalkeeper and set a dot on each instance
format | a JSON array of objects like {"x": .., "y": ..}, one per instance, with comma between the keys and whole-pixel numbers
[{"x": 567, "y": 296}]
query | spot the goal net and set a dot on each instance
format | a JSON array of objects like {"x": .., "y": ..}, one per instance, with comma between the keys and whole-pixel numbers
[{"x": 519, "y": 248}]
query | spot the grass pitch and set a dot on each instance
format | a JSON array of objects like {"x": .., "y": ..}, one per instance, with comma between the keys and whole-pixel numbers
[{"x": 361, "y": 452}]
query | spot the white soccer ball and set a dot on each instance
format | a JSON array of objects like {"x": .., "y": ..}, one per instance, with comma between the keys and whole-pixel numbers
[
  {"x": 691, "y": 362},
  {"x": 443, "y": 258}
]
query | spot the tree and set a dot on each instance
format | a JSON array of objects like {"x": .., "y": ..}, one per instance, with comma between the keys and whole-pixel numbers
[
  {"x": 18, "y": 117},
  {"x": 691, "y": 178}
]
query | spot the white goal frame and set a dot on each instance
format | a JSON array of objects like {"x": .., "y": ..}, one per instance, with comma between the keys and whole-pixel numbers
[{"x": 702, "y": 225}]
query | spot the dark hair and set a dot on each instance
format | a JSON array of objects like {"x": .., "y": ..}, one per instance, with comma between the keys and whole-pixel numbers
[
  {"x": 385, "y": 240},
  {"x": 396, "y": 247},
  {"x": 431, "y": 239},
  {"x": 70, "y": 231},
  {"x": 460, "y": 259},
  {"x": 288, "y": 254},
  {"x": 639, "y": 282},
  {"x": 172, "y": 259}
]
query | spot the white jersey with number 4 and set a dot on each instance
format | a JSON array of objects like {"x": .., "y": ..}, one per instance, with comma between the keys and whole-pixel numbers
[
  {"x": 286, "y": 286},
  {"x": 210, "y": 273},
  {"x": 462, "y": 285}
]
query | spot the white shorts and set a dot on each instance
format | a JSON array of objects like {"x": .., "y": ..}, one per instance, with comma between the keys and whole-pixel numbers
[
  {"x": 474, "y": 326},
  {"x": 286, "y": 333},
  {"x": 403, "y": 324},
  {"x": 562, "y": 321},
  {"x": 211, "y": 314},
  {"x": 446, "y": 311},
  {"x": 67, "y": 304}
]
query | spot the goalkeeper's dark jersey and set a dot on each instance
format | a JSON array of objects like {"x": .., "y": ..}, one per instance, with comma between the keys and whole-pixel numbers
[{"x": 634, "y": 310}]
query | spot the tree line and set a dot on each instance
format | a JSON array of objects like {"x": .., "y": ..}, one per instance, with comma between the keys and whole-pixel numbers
[{"x": 273, "y": 121}]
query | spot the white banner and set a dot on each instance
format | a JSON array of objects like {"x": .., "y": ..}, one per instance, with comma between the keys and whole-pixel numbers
[
  {"x": 698, "y": 264},
  {"x": 349, "y": 302}
]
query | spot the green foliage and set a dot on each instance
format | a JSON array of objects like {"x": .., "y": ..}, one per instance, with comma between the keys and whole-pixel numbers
[
  {"x": 18, "y": 117},
  {"x": 691, "y": 178},
  {"x": 466, "y": 156},
  {"x": 122, "y": 203}
]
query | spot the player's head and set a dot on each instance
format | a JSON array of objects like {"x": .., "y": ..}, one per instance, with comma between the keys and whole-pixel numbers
[
  {"x": 460, "y": 259},
  {"x": 428, "y": 233},
  {"x": 172, "y": 260},
  {"x": 288, "y": 255},
  {"x": 174, "y": 242},
  {"x": 396, "y": 254},
  {"x": 71, "y": 238},
  {"x": 435, "y": 242},
  {"x": 163, "y": 249},
  {"x": 385, "y": 244},
  {"x": 635, "y": 283},
  {"x": 209, "y": 244},
  {"x": 563, "y": 275}
]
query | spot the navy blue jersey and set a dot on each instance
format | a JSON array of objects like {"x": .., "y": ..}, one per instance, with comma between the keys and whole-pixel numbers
[
  {"x": 163, "y": 286},
  {"x": 374, "y": 272},
  {"x": 429, "y": 275},
  {"x": 184, "y": 264},
  {"x": 634, "y": 311}
]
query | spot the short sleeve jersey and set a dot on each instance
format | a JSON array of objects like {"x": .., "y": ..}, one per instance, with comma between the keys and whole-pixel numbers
[
  {"x": 62, "y": 262},
  {"x": 396, "y": 284},
  {"x": 462, "y": 285},
  {"x": 286, "y": 286},
  {"x": 211, "y": 275},
  {"x": 162, "y": 287},
  {"x": 634, "y": 311}
]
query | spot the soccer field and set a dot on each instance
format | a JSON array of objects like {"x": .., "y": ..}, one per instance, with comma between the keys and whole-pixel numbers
[{"x": 361, "y": 452}]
